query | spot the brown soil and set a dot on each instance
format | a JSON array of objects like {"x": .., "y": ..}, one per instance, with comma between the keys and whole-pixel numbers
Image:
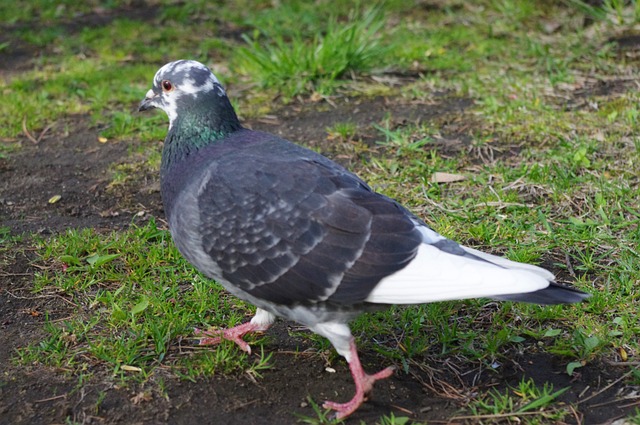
[{"x": 74, "y": 165}]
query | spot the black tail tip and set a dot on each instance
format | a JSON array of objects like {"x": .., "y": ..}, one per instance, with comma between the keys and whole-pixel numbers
[{"x": 551, "y": 295}]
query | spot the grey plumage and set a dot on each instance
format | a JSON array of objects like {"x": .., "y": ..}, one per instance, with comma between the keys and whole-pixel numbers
[
  {"x": 294, "y": 237},
  {"x": 301, "y": 237}
]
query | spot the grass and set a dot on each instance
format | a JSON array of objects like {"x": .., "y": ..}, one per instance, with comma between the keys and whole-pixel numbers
[
  {"x": 294, "y": 64},
  {"x": 616, "y": 12},
  {"x": 137, "y": 305},
  {"x": 524, "y": 404},
  {"x": 551, "y": 172}
]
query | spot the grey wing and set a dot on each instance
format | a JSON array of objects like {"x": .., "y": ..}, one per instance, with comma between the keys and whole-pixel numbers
[{"x": 302, "y": 231}]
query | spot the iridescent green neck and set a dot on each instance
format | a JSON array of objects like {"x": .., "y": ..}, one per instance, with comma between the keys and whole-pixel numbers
[{"x": 192, "y": 131}]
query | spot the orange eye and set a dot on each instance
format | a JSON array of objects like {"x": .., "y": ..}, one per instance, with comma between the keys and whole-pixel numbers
[{"x": 166, "y": 85}]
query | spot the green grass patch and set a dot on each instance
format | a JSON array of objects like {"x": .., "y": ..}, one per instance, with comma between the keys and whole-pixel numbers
[
  {"x": 137, "y": 302},
  {"x": 296, "y": 64},
  {"x": 526, "y": 404},
  {"x": 615, "y": 12}
]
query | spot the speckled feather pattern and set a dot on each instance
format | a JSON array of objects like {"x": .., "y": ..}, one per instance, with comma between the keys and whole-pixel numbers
[{"x": 288, "y": 226}]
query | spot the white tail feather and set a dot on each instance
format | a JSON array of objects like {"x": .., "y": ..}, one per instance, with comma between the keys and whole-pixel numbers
[
  {"x": 501, "y": 261},
  {"x": 435, "y": 275}
]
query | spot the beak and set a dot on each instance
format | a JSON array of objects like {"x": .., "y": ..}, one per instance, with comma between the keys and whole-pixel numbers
[{"x": 147, "y": 102}]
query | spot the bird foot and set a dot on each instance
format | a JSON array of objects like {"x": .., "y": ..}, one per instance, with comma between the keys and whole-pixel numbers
[
  {"x": 235, "y": 334},
  {"x": 363, "y": 381},
  {"x": 364, "y": 386}
]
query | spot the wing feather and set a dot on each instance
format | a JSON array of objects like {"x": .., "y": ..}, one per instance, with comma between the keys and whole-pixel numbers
[{"x": 296, "y": 229}]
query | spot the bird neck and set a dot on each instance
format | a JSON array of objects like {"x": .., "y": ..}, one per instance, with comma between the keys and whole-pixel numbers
[{"x": 194, "y": 130}]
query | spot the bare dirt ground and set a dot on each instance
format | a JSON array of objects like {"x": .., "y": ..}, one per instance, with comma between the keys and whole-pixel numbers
[{"x": 73, "y": 164}]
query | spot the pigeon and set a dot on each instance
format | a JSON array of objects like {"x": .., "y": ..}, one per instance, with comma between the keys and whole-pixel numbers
[{"x": 299, "y": 236}]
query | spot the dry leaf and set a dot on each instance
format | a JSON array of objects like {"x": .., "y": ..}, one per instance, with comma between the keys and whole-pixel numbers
[
  {"x": 315, "y": 97},
  {"x": 623, "y": 354},
  {"x": 140, "y": 397},
  {"x": 130, "y": 368},
  {"x": 54, "y": 199},
  {"x": 439, "y": 177}
]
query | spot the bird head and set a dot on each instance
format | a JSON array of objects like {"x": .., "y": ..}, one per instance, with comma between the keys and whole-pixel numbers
[{"x": 180, "y": 85}]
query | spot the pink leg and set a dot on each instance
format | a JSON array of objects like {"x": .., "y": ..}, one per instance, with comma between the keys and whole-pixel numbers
[
  {"x": 260, "y": 322},
  {"x": 364, "y": 385}
]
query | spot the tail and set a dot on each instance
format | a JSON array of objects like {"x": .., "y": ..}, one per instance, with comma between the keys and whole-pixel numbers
[
  {"x": 551, "y": 295},
  {"x": 443, "y": 270}
]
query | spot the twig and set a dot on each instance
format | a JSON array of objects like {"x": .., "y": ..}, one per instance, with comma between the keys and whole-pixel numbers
[
  {"x": 495, "y": 193},
  {"x": 499, "y": 415},
  {"x": 50, "y": 398},
  {"x": 43, "y": 132},
  {"x": 62, "y": 319},
  {"x": 626, "y": 375},
  {"x": 298, "y": 353},
  {"x": 582, "y": 393},
  {"x": 26, "y": 131},
  {"x": 575, "y": 414},
  {"x": 242, "y": 405},
  {"x": 41, "y": 296},
  {"x": 501, "y": 205},
  {"x": 434, "y": 203},
  {"x": 402, "y": 409},
  {"x": 624, "y": 363},
  {"x": 30, "y": 136},
  {"x": 514, "y": 184},
  {"x": 635, "y": 403},
  {"x": 606, "y": 403},
  {"x": 567, "y": 260}
]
